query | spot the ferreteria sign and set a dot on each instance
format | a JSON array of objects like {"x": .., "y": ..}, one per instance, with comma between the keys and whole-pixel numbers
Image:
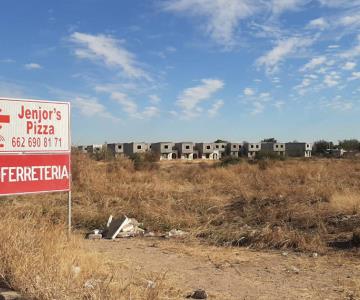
[{"x": 34, "y": 146}]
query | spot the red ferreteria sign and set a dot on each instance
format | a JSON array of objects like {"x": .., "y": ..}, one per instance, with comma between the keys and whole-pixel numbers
[{"x": 34, "y": 173}]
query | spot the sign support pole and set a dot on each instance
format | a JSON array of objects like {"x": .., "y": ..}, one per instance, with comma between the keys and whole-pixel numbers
[{"x": 69, "y": 211}]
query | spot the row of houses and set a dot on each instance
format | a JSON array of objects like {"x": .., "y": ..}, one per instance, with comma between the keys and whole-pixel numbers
[{"x": 210, "y": 151}]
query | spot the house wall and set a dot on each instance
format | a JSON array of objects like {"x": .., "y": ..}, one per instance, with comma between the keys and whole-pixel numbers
[
  {"x": 298, "y": 149},
  {"x": 132, "y": 148},
  {"x": 182, "y": 147},
  {"x": 116, "y": 148}
]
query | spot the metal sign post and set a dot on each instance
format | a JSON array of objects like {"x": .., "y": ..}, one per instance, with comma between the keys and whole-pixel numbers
[{"x": 69, "y": 211}]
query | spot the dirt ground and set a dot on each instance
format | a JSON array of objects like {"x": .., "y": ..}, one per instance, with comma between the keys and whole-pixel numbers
[{"x": 235, "y": 273}]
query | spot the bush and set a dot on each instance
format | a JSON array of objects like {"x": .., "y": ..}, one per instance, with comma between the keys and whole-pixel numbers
[
  {"x": 230, "y": 160},
  {"x": 268, "y": 155},
  {"x": 145, "y": 161}
]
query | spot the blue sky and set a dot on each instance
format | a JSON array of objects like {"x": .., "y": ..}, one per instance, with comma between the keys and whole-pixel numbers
[{"x": 188, "y": 69}]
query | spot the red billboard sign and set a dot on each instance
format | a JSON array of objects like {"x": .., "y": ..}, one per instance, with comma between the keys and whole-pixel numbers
[
  {"x": 34, "y": 173},
  {"x": 34, "y": 146}
]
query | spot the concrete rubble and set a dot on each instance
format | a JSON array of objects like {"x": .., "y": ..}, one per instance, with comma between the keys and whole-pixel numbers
[{"x": 125, "y": 227}]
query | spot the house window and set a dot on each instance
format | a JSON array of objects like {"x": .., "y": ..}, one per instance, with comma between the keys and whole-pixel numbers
[
  {"x": 251, "y": 146},
  {"x": 187, "y": 147},
  {"x": 276, "y": 146},
  {"x": 217, "y": 146},
  {"x": 138, "y": 147},
  {"x": 166, "y": 146},
  {"x": 119, "y": 146},
  {"x": 257, "y": 146},
  {"x": 207, "y": 147},
  {"x": 223, "y": 146},
  {"x": 281, "y": 146},
  {"x": 234, "y": 146}
]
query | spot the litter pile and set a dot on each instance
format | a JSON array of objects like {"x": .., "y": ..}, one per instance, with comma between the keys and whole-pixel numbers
[{"x": 125, "y": 227}]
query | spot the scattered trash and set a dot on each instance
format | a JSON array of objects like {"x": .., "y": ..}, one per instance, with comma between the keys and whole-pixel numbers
[
  {"x": 95, "y": 235},
  {"x": 314, "y": 255},
  {"x": 151, "y": 284},
  {"x": 8, "y": 294},
  {"x": 91, "y": 283},
  {"x": 123, "y": 227},
  {"x": 176, "y": 233},
  {"x": 295, "y": 269},
  {"x": 198, "y": 294},
  {"x": 76, "y": 270},
  {"x": 284, "y": 254}
]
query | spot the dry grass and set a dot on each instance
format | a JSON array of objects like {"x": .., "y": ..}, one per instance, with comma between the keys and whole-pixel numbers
[
  {"x": 293, "y": 204},
  {"x": 38, "y": 259},
  {"x": 278, "y": 204}
]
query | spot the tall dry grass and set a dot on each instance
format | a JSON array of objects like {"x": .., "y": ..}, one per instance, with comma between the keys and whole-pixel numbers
[
  {"x": 38, "y": 259},
  {"x": 278, "y": 204}
]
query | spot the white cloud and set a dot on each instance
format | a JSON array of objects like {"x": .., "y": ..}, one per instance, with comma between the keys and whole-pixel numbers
[
  {"x": 350, "y": 65},
  {"x": 313, "y": 63},
  {"x": 332, "y": 79},
  {"x": 90, "y": 107},
  {"x": 12, "y": 90},
  {"x": 150, "y": 112},
  {"x": 32, "y": 66},
  {"x": 249, "y": 92},
  {"x": 280, "y": 6},
  {"x": 338, "y": 104},
  {"x": 257, "y": 108},
  {"x": 319, "y": 23},
  {"x": 154, "y": 99},
  {"x": 222, "y": 16},
  {"x": 350, "y": 20},
  {"x": 339, "y": 3},
  {"x": 213, "y": 111},
  {"x": 355, "y": 76},
  {"x": 131, "y": 108},
  {"x": 109, "y": 51},
  {"x": 190, "y": 98},
  {"x": 353, "y": 52},
  {"x": 282, "y": 50},
  {"x": 279, "y": 104},
  {"x": 128, "y": 105}
]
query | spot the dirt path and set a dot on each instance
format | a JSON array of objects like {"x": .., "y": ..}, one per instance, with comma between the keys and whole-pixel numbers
[{"x": 237, "y": 273}]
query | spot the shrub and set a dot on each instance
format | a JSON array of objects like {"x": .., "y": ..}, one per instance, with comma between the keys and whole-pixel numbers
[
  {"x": 230, "y": 160},
  {"x": 145, "y": 161}
]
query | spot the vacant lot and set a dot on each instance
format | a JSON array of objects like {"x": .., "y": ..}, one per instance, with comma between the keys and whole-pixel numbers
[{"x": 293, "y": 205}]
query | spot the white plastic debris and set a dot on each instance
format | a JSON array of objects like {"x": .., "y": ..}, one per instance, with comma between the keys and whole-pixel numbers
[{"x": 177, "y": 233}]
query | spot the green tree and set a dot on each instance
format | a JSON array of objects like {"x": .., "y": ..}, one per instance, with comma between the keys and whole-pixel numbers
[
  {"x": 321, "y": 146},
  {"x": 269, "y": 140},
  {"x": 220, "y": 141},
  {"x": 350, "y": 145}
]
